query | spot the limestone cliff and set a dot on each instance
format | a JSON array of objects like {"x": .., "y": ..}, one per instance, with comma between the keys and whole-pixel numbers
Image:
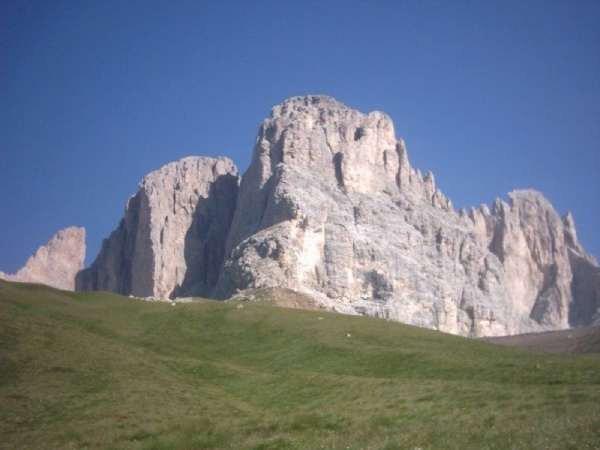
[
  {"x": 331, "y": 207},
  {"x": 56, "y": 263},
  {"x": 171, "y": 241}
]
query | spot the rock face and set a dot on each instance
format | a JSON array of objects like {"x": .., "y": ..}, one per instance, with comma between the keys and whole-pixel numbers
[
  {"x": 171, "y": 241},
  {"x": 538, "y": 250},
  {"x": 331, "y": 207},
  {"x": 56, "y": 263}
]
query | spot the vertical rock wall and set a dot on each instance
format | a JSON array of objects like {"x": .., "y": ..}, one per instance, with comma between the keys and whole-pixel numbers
[{"x": 171, "y": 241}]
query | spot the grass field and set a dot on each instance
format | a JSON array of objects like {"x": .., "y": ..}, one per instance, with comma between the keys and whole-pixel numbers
[{"x": 97, "y": 370}]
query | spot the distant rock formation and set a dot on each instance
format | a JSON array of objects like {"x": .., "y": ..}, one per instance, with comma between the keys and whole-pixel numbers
[
  {"x": 56, "y": 263},
  {"x": 330, "y": 207},
  {"x": 538, "y": 250},
  {"x": 171, "y": 241}
]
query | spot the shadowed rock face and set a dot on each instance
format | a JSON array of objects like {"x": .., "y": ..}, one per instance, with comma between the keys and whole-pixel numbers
[
  {"x": 585, "y": 286},
  {"x": 56, "y": 263},
  {"x": 331, "y": 207},
  {"x": 171, "y": 241}
]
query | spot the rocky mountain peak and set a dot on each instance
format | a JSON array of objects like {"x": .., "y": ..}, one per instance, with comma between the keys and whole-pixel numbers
[
  {"x": 331, "y": 207},
  {"x": 318, "y": 131},
  {"x": 293, "y": 106},
  {"x": 56, "y": 263},
  {"x": 320, "y": 141},
  {"x": 171, "y": 240}
]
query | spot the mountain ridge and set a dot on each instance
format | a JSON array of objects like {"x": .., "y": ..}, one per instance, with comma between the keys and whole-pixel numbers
[{"x": 330, "y": 207}]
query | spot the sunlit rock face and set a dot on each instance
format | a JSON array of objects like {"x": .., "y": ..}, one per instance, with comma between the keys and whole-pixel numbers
[
  {"x": 171, "y": 241},
  {"x": 56, "y": 263},
  {"x": 331, "y": 207}
]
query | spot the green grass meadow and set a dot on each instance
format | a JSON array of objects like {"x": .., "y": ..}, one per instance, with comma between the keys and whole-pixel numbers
[{"x": 97, "y": 370}]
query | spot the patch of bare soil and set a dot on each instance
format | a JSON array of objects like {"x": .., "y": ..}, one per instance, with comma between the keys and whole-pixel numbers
[
  {"x": 576, "y": 340},
  {"x": 287, "y": 298},
  {"x": 283, "y": 297}
]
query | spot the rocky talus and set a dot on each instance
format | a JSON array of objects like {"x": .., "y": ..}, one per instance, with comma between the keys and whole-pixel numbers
[
  {"x": 171, "y": 241},
  {"x": 331, "y": 207},
  {"x": 55, "y": 264}
]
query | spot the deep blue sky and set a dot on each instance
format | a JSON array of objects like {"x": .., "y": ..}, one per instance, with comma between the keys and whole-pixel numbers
[{"x": 489, "y": 96}]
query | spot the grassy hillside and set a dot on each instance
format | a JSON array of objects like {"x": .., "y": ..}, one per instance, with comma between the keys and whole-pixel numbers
[{"x": 98, "y": 370}]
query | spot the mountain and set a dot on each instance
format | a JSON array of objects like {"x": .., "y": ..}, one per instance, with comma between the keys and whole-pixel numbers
[
  {"x": 331, "y": 208},
  {"x": 56, "y": 263}
]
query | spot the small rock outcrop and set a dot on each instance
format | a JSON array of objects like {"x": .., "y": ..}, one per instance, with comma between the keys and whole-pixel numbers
[
  {"x": 55, "y": 264},
  {"x": 331, "y": 207},
  {"x": 171, "y": 241}
]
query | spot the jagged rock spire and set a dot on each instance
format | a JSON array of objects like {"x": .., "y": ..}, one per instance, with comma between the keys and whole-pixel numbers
[{"x": 56, "y": 263}]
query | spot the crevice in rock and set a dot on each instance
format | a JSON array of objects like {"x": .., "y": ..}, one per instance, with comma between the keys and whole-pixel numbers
[
  {"x": 359, "y": 133},
  {"x": 337, "y": 163}
]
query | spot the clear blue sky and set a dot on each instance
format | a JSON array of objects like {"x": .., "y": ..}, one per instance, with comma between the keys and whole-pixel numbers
[{"x": 490, "y": 96}]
